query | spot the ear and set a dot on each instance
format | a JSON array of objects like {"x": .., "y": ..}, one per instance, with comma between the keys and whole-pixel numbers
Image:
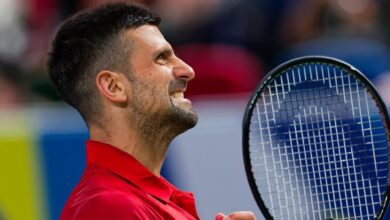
[{"x": 111, "y": 86}]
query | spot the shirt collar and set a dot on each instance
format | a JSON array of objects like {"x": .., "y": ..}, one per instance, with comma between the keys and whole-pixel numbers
[{"x": 126, "y": 166}]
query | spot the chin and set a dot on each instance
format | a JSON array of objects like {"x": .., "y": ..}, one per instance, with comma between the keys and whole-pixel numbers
[{"x": 184, "y": 119}]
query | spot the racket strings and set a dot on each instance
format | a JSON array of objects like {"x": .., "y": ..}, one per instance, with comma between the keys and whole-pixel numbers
[{"x": 306, "y": 146}]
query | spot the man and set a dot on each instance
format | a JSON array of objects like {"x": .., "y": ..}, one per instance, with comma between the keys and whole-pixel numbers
[{"x": 114, "y": 66}]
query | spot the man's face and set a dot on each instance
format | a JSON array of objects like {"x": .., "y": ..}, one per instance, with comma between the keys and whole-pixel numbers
[{"x": 159, "y": 80}]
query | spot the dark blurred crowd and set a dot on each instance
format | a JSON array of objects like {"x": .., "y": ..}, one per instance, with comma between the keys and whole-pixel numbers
[{"x": 231, "y": 44}]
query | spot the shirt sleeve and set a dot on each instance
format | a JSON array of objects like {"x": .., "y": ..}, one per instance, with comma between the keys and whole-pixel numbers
[{"x": 113, "y": 206}]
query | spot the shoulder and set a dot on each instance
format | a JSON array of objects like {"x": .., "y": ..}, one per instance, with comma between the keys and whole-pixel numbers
[
  {"x": 111, "y": 205},
  {"x": 102, "y": 195}
]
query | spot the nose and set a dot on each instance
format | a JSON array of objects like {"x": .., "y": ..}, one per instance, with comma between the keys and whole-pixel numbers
[{"x": 183, "y": 71}]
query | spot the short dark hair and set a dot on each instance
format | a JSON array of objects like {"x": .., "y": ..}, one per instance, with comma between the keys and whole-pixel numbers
[{"x": 87, "y": 43}]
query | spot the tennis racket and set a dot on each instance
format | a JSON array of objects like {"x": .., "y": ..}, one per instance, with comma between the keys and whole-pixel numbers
[{"x": 316, "y": 143}]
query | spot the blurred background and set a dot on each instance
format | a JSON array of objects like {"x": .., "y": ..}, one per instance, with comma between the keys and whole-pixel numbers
[{"x": 231, "y": 44}]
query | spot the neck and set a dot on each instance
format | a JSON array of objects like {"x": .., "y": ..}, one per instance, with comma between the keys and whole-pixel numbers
[{"x": 150, "y": 150}]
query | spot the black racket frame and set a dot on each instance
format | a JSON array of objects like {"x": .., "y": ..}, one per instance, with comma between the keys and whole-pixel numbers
[{"x": 272, "y": 75}]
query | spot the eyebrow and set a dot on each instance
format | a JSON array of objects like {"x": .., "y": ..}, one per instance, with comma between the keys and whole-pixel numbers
[{"x": 164, "y": 50}]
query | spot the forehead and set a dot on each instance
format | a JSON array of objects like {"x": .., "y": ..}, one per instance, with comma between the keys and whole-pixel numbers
[{"x": 146, "y": 38}]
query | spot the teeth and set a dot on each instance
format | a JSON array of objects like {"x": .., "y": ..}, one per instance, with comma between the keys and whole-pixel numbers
[{"x": 178, "y": 95}]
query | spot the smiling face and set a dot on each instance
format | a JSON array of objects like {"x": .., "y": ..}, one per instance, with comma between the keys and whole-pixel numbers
[{"x": 157, "y": 83}]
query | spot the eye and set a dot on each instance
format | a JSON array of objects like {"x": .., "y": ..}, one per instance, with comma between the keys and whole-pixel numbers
[{"x": 162, "y": 58}]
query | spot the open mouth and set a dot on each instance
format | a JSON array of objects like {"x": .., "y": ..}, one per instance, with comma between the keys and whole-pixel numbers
[
  {"x": 177, "y": 95},
  {"x": 178, "y": 100}
]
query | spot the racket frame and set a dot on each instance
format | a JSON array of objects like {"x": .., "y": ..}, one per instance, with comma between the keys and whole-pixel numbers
[{"x": 259, "y": 90}]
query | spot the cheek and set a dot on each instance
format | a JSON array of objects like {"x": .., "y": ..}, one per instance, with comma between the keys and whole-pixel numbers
[
  {"x": 161, "y": 73},
  {"x": 152, "y": 96},
  {"x": 152, "y": 87},
  {"x": 157, "y": 82}
]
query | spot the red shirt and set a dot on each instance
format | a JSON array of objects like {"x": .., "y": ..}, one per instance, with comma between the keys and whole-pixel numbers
[{"x": 115, "y": 186}]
